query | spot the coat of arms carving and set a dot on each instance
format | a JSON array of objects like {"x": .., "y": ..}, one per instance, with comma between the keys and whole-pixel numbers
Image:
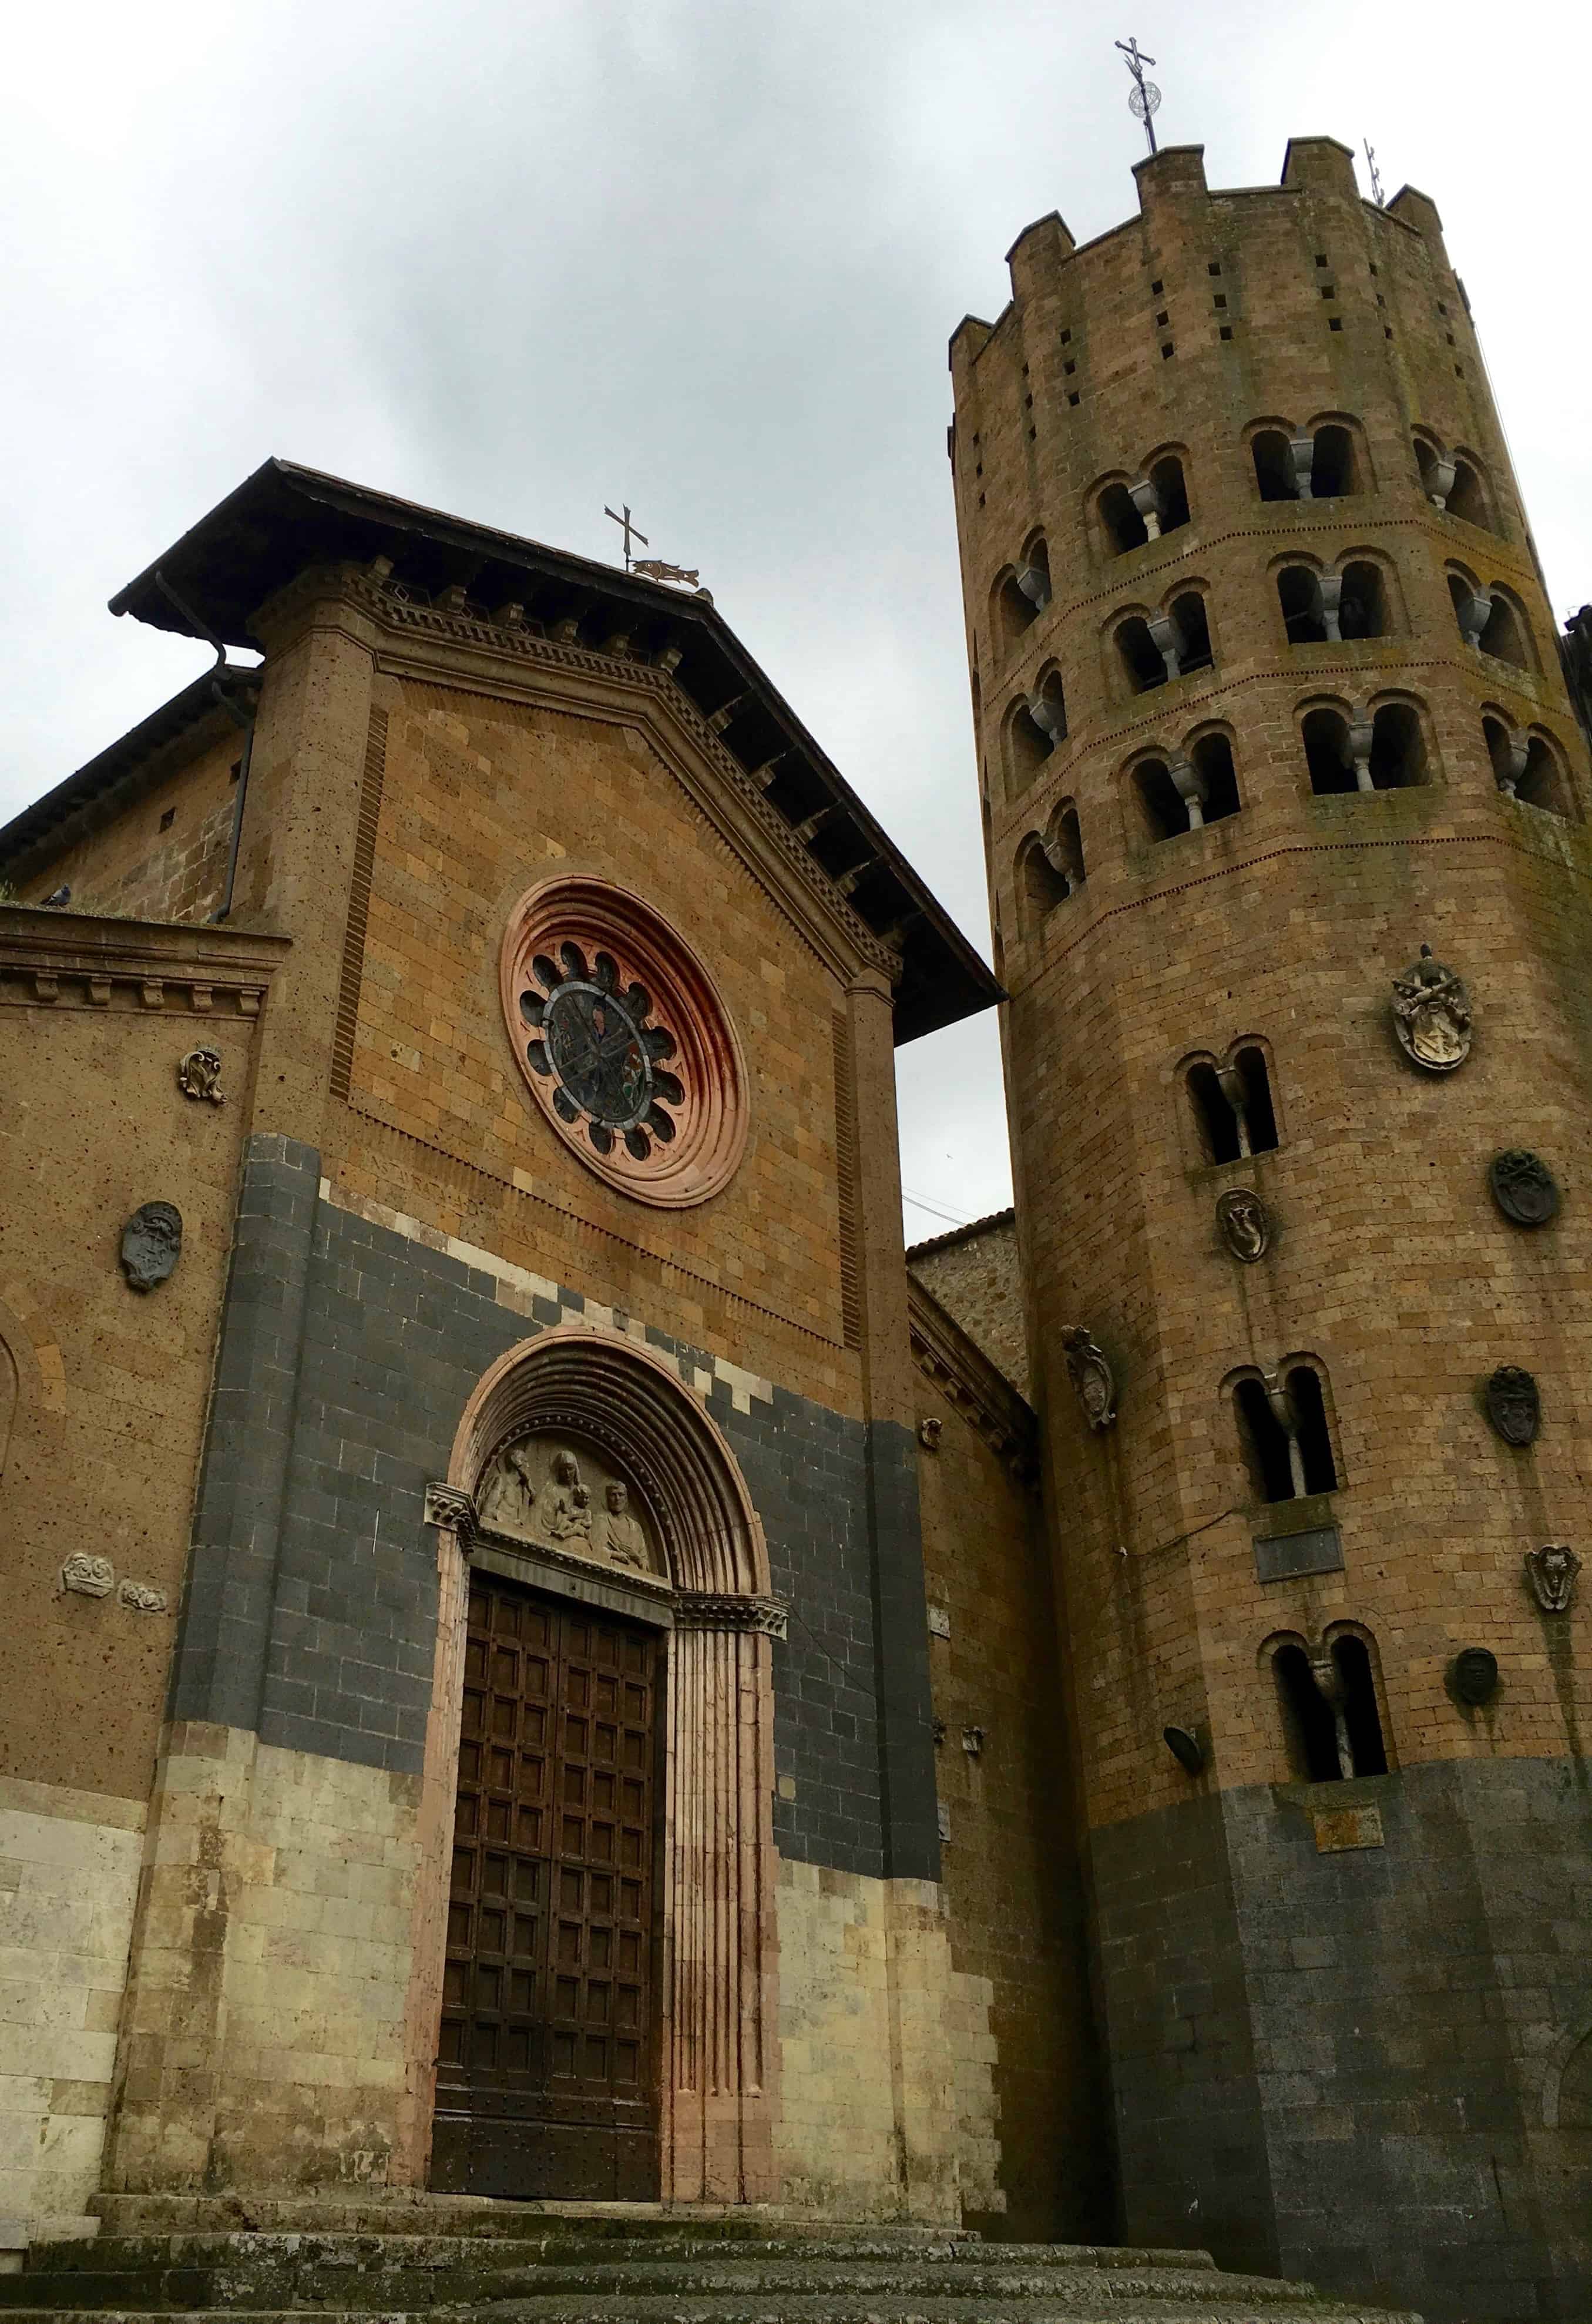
[
  {"x": 1523, "y": 1187},
  {"x": 1432, "y": 1014},
  {"x": 1241, "y": 1217},
  {"x": 1514, "y": 1404}
]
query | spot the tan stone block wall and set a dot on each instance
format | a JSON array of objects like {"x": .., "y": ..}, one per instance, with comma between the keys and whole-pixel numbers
[
  {"x": 1032, "y": 2125},
  {"x": 480, "y": 799},
  {"x": 880, "y": 2051},
  {"x": 977, "y": 1277},
  {"x": 132, "y": 867},
  {"x": 68, "y": 1876},
  {"x": 263, "y": 2039}
]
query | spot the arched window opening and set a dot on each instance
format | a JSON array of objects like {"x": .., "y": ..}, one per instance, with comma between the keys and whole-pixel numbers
[
  {"x": 1334, "y": 471},
  {"x": 1066, "y": 848},
  {"x": 1144, "y": 664},
  {"x": 1360, "y": 1716},
  {"x": 1467, "y": 496},
  {"x": 1213, "y": 763},
  {"x": 1040, "y": 885},
  {"x": 1473, "y": 607},
  {"x": 1048, "y": 709},
  {"x": 1398, "y": 749},
  {"x": 1161, "y": 802},
  {"x": 1171, "y": 492},
  {"x": 1507, "y": 748},
  {"x": 1299, "y": 593},
  {"x": 1503, "y": 634},
  {"x": 1121, "y": 522},
  {"x": 1436, "y": 472},
  {"x": 1033, "y": 575},
  {"x": 1020, "y": 597},
  {"x": 1268, "y": 1445},
  {"x": 1027, "y": 748},
  {"x": 1315, "y": 1438},
  {"x": 1274, "y": 471},
  {"x": 1362, "y": 608},
  {"x": 1309, "y": 1729},
  {"x": 1192, "y": 632},
  {"x": 1232, "y": 1107},
  {"x": 1541, "y": 782},
  {"x": 1328, "y": 754}
]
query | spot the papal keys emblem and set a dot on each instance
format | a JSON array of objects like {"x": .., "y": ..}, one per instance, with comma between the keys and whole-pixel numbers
[{"x": 1432, "y": 1014}]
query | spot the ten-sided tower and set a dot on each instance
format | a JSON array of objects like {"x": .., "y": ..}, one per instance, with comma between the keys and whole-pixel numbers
[{"x": 1267, "y": 700}]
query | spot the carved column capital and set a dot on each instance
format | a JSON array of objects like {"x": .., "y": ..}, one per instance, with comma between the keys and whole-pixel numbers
[
  {"x": 450, "y": 1506},
  {"x": 714, "y": 1609}
]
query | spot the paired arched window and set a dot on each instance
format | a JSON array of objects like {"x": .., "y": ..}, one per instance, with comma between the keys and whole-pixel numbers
[
  {"x": 1049, "y": 867},
  {"x": 1020, "y": 595},
  {"x": 1322, "y": 463},
  {"x": 1527, "y": 766},
  {"x": 1382, "y": 749},
  {"x": 1231, "y": 1104},
  {"x": 1130, "y": 513},
  {"x": 1456, "y": 483},
  {"x": 1327, "y": 1702},
  {"x": 1153, "y": 648},
  {"x": 1034, "y": 727},
  {"x": 1283, "y": 1432},
  {"x": 1492, "y": 619},
  {"x": 1183, "y": 789},
  {"x": 1326, "y": 608}
]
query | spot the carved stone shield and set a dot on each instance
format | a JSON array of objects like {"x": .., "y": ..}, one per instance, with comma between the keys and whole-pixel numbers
[
  {"x": 1514, "y": 1404},
  {"x": 1523, "y": 1187},
  {"x": 151, "y": 1244},
  {"x": 1432, "y": 1014}
]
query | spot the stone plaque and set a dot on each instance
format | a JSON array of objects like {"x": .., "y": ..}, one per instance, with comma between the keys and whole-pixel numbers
[
  {"x": 1282, "y": 1556},
  {"x": 1339, "y": 1827}
]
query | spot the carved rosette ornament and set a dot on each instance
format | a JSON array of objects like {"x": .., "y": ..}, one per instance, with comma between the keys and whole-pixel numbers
[
  {"x": 1243, "y": 1224},
  {"x": 199, "y": 1075},
  {"x": 1552, "y": 1572},
  {"x": 1514, "y": 1408},
  {"x": 1432, "y": 1014},
  {"x": 623, "y": 1042},
  {"x": 1090, "y": 1375},
  {"x": 1523, "y": 1187}
]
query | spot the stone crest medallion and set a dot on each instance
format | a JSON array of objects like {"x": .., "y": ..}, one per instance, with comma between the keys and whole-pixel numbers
[
  {"x": 1092, "y": 1376},
  {"x": 1514, "y": 1408},
  {"x": 1432, "y": 1014},
  {"x": 1523, "y": 1187},
  {"x": 151, "y": 1244},
  {"x": 1552, "y": 1572},
  {"x": 1242, "y": 1223}
]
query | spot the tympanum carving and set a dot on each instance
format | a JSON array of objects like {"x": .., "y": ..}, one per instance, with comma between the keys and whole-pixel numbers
[
  {"x": 1432, "y": 1014},
  {"x": 539, "y": 1490}
]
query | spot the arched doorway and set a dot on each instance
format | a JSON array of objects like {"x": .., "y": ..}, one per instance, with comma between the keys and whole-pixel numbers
[{"x": 595, "y": 1937}]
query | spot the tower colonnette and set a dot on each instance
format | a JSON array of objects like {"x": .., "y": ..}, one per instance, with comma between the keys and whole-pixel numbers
[{"x": 1267, "y": 698}]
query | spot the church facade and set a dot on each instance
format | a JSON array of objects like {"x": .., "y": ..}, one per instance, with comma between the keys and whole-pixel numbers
[{"x": 550, "y": 1658}]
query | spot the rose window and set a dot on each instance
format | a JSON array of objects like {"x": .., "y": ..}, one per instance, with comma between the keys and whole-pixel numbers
[
  {"x": 623, "y": 1040},
  {"x": 605, "y": 1060}
]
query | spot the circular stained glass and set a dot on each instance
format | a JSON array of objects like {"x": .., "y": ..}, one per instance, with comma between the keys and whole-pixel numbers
[
  {"x": 623, "y": 1041},
  {"x": 591, "y": 1034}
]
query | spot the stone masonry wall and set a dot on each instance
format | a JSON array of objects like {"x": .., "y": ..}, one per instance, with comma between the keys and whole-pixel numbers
[{"x": 976, "y": 1275}]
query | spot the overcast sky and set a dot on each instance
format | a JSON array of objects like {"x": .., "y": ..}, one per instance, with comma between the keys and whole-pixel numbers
[{"x": 517, "y": 259}]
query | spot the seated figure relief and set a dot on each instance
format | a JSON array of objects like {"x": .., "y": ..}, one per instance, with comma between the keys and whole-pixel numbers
[{"x": 541, "y": 1491}]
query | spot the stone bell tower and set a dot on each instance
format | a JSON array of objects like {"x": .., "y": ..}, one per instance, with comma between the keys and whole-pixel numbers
[{"x": 1267, "y": 703}]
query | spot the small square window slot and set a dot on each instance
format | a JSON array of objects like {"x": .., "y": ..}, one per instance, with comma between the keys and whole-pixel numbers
[
  {"x": 1221, "y": 299},
  {"x": 1226, "y": 332},
  {"x": 167, "y": 818},
  {"x": 1156, "y": 289},
  {"x": 1066, "y": 338},
  {"x": 1320, "y": 258},
  {"x": 1166, "y": 350},
  {"x": 1074, "y": 397},
  {"x": 1163, "y": 319},
  {"x": 1334, "y": 322},
  {"x": 1213, "y": 268},
  {"x": 1067, "y": 369}
]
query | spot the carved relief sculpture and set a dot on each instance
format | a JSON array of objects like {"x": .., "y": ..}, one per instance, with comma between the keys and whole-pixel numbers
[
  {"x": 566, "y": 1504},
  {"x": 1242, "y": 1223},
  {"x": 91, "y": 1577},
  {"x": 1523, "y": 1187},
  {"x": 929, "y": 1432},
  {"x": 508, "y": 1494},
  {"x": 1092, "y": 1376},
  {"x": 1552, "y": 1572},
  {"x": 151, "y": 1244},
  {"x": 142, "y": 1598},
  {"x": 1475, "y": 1673},
  {"x": 1514, "y": 1404},
  {"x": 199, "y": 1075},
  {"x": 622, "y": 1536},
  {"x": 1432, "y": 1014}
]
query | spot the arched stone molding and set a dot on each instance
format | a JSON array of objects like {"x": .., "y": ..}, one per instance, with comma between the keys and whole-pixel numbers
[{"x": 718, "y": 2047}]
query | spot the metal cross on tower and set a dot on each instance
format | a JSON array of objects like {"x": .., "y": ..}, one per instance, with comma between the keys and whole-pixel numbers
[
  {"x": 632, "y": 532},
  {"x": 1375, "y": 173},
  {"x": 1146, "y": 97}
]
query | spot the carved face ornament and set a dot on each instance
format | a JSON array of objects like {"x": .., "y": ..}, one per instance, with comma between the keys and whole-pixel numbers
[
  {"x": 1432, "y": 1014},
  {"x": 1242, "y": 1221},
  {"x": 1552, "y": 1572}
]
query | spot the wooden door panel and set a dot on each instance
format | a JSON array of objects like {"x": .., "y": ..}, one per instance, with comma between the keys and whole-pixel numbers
[{"x": 545, "y": 2082}]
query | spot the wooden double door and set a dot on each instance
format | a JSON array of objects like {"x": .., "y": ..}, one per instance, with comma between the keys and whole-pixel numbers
[{"x": 546, "y": 2080}]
